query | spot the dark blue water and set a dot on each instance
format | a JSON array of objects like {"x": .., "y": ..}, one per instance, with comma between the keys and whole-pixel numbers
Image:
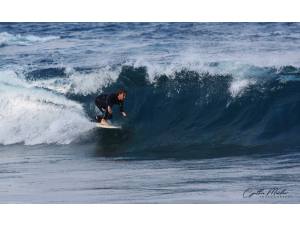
[{"x": 213, "y": 110}]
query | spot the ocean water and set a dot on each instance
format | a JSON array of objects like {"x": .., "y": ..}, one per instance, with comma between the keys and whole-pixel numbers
[{"x": 213, "y": 113}]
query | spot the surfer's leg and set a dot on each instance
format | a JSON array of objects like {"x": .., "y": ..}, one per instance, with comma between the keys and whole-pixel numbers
[
  {"x": 101, "y": 106},
  {"x": 107, "y": 115},
  {"x": 99, "y": 103},
  {"x": 101, "y": 117}
]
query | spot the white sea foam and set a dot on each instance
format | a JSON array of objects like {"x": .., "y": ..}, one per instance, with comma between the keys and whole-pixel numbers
[
  {"x": 18, "y": 39},
  {"x": 237, "y": 87},
  {"x": 35, "y": 116},
  {"x": 79, "y": 83}
]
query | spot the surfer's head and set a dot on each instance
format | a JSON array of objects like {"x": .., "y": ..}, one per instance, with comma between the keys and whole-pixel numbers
[{"x": 121, "y": 94}]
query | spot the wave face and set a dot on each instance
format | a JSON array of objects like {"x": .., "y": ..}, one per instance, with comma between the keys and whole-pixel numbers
[
  {"x": 195, "y": 114},
  {"x": 194, "y": 90}
]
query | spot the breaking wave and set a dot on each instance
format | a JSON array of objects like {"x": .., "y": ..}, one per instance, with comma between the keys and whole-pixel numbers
[{"x": 183, "y": 113}]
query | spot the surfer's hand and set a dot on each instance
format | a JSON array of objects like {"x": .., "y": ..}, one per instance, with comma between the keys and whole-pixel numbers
[
  {"x": 109, "y": 110},
  {"x": 124, "y": 114}
]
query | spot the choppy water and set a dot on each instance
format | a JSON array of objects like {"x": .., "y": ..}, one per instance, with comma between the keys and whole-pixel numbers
[{"x": 213, "y": 111}]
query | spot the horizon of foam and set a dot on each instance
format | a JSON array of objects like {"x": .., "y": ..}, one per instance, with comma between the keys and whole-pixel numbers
[{"x": 19, "y": 39}]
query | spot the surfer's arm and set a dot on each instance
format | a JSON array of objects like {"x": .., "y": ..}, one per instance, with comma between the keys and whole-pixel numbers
[
  {"x": 122, "y": 109},
  {"x": 109, "y": 110},
  {"x": 110, "y": 103}
]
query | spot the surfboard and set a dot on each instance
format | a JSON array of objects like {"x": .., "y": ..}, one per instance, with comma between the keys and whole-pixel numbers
[{"x": 108, "y": 126}]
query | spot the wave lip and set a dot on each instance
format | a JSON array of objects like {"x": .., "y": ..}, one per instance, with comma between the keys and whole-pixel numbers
[
  {"x": 71, "y": 81},
  {"x": 7, "y": 39}
]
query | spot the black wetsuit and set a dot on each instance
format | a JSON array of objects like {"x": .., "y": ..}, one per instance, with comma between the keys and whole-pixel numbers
[{"x": 103, "y": 101}]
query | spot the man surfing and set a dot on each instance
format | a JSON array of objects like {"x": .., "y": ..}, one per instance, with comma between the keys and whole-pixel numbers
[{"x": 105, "y": 103}]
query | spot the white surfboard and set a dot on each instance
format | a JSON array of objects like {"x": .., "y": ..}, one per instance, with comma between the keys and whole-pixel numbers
[{"x": 108, "y": 126}]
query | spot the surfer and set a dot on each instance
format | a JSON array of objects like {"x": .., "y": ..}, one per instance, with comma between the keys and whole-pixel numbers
[{"x": 105, "y": 103}]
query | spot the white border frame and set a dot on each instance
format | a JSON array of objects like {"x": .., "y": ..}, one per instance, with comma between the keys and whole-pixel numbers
[{"x": 149, "y": 11}]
